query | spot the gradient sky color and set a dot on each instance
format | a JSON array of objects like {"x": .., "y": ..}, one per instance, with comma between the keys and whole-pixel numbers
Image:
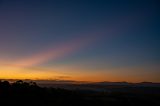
[{"x": 82, "y": 40}]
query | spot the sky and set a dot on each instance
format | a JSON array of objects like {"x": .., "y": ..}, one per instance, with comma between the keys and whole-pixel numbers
[{"x": 81, "y": 40}]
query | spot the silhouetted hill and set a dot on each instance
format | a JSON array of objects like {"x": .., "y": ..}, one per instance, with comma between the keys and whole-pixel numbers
[{"x": 21, "y": 93}]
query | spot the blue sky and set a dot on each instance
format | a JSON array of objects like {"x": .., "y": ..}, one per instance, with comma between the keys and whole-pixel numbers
[{"x": 111, "y": 39}]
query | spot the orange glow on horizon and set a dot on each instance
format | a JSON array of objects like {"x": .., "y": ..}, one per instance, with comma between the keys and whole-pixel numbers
[
  {"x": 25, "y": 68},
  {"x": 69, "y": 73}
]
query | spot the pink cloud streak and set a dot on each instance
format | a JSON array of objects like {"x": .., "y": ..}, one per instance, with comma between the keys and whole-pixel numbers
[{"x": 59, "y": 51}]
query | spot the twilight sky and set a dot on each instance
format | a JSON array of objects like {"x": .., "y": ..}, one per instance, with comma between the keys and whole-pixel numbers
[{"x": 83, "y": 40}]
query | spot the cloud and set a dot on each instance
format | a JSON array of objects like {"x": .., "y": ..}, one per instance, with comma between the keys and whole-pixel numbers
[
  {"x": 55, "y": 52},
  {"x": 61, "y": 50}
]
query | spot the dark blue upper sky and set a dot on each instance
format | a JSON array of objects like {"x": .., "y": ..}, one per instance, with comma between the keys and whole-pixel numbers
[{"x": 118, "y": 38}]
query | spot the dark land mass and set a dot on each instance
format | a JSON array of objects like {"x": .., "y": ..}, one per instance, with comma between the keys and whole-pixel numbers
[{"x": 29, "y": 93}]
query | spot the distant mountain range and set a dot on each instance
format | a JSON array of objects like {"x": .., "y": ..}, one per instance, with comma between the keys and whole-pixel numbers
[
  {"x": 128, "y": 84},
  {"x": 105, "y": 83}
]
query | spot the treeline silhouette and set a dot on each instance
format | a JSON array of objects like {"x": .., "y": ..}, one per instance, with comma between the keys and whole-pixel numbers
[{"x": 22, "y": 93}]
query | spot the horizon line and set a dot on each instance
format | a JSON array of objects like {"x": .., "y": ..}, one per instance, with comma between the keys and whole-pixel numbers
[{"x": 77, "y": 81}]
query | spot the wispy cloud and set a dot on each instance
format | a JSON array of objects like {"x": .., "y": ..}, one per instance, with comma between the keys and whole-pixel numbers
[
  {"x": 55, "y": 52},
  {"x": 61, "y": 50}
]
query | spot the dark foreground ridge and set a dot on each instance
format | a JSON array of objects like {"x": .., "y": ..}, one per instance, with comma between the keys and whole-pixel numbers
[{"x": 22, "y": 93}]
